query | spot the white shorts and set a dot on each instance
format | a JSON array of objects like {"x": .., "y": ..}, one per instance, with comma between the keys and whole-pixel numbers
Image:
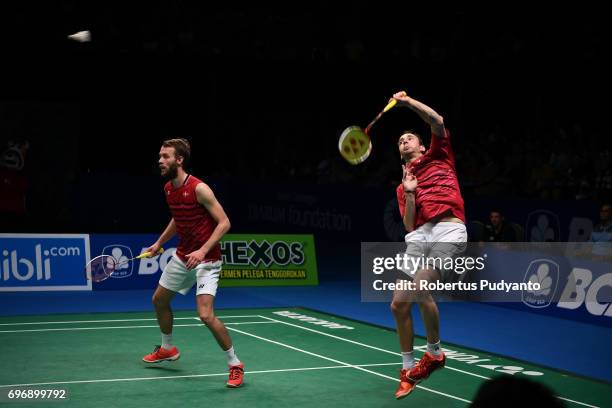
[
  {"x": 177, "y": 278},
  {"x": 439, "y": 240}
]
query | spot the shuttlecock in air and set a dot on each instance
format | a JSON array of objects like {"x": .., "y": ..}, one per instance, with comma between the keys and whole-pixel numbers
[{"x": 81, "y": 36}]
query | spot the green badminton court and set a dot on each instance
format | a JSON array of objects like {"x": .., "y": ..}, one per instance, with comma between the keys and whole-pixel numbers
[{"x": 293, "y": 357}]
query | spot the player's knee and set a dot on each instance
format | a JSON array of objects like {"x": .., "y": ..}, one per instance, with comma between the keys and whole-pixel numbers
[
  {"x": 426, "y": 302},
  {"x": 421, "y": 276},
  {"x": 207, "y": 318},
  {"x": 400, "y": 308},
  {"x": 426, "y": 276},
  {"x": 422, "y": 280},
  {"x": 158, "y": 301}
]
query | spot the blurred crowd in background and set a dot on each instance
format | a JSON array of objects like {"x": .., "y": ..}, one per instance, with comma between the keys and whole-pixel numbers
[{"x": 264, "y": 92}]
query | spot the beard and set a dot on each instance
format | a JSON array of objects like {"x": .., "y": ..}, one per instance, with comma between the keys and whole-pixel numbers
[{"x": 172, "y": 172}]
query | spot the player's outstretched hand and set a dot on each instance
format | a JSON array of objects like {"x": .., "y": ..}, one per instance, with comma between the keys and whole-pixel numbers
[
  {"x": 409, "y": 181},
  {"x": 153, "y": 249}
]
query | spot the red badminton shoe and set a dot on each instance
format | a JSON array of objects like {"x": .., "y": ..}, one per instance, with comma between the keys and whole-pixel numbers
[
  {"x": 405, "y": 386},
  {"x": 426, "y": 365},
  {"x": 161, "y": 354},
  {"x": 236, "y": 375}
]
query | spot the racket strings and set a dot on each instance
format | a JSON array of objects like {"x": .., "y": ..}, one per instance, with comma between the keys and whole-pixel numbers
[
  {"x": 354, "y": 145},
  {"x": 102, "y": 267}
]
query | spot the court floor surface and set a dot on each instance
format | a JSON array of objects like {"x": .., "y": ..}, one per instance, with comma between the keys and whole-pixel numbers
[{"x": 293, "y": 357}]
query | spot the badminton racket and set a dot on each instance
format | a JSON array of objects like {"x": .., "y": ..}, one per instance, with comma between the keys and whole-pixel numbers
[
  {"x": 103, "y": 266},
  {"x": 355, "y": 144}
]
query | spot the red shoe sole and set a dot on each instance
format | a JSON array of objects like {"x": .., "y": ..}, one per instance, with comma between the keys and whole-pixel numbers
[{"x": 173, "y": 358}]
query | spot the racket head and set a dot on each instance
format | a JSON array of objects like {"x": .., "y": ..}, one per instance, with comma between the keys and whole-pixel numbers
[
  {"x": 100, "y": 268},
  {"x": 354, "y": 145}
]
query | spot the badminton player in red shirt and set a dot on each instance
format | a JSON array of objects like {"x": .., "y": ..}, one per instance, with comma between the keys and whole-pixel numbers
[
  {"x": 432, "y": 212},
  {"x": 200, "y": 222}
]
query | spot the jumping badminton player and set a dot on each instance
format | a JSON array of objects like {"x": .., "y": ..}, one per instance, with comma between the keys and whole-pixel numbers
[
  {"x": 200, "y": 222},
  {"x": 432, "y": 211}
]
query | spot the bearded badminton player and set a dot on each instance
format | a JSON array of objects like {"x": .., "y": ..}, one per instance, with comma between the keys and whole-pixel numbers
[
  {"x": 200, "y": 222},
  {"x": 433, "y": 214}
]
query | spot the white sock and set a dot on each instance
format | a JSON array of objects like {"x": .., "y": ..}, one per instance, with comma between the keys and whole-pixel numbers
[
  {"x": 167, "y": 341},
  {"x": 232, "y": 359},
  {"x": 434, "y": 348},
  {"x": 407, "y": 360}
]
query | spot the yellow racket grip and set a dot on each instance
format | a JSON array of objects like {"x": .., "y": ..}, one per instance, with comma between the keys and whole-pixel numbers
[
  {"x": 390, "y": 105},
  {"x": 148, "y": 254}
]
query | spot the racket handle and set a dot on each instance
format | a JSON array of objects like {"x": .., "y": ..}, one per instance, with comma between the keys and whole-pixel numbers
[
  {"x": 148, "y": 254},
  {"x": 390, "y": 105}
]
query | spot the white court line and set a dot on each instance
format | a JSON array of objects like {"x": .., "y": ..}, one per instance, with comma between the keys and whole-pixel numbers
[
  {"x": 399, "y": 354},
  {"x": 228, "y": 317},
  {"x": 577, "y": 402},
  {"x": 343, "y": 363},
  {"x": 111, "y": 321},
  {"x": 121, "y": 327},
  {"x": 364, "y": 345},
  {"x": 170, "y": 377}
]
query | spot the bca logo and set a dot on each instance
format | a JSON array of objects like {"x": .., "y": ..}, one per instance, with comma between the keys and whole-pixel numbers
[
  {"x": 121, "y": 253},
  {"x": 543, "y": 226},
  {"x": 595, "y": 292},
  {"x": 546, "y": 273}
]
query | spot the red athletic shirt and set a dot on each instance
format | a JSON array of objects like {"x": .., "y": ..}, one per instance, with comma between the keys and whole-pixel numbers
[
  {"x": 438, "y": 188},
  {"x": 194, "y": 224}
]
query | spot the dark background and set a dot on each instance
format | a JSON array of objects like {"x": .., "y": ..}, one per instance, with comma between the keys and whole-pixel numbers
[{"x": 264, "y": 92}]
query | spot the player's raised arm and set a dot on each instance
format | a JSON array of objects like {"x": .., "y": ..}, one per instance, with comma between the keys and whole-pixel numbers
[{"x": 430, "y": 116}]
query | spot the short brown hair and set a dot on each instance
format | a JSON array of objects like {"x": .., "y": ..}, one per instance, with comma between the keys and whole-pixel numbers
[
  {"x": 182, "y": 148},
  {"x": 412, "y": 132}
]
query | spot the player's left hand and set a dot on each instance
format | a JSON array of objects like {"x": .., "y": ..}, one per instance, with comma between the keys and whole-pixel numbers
[
  {"x": 400, "y": 97},
  {"x": 194, "y": 258},
  {"x": 409, "y": 181}
]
